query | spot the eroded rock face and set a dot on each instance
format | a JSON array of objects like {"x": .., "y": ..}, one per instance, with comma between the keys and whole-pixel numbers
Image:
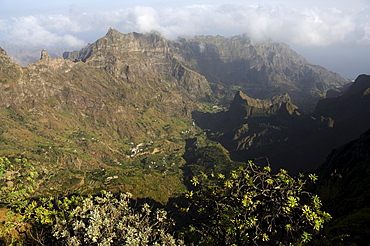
[
  {"x": 262, "y": 70},
  {"x": 9, "y": 69},
  {"x": 273, "y": 128},
  {"x": 244, "y": 107},
  {"x": 137, "y": 58}
]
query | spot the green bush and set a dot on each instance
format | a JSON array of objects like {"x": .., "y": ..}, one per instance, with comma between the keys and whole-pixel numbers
[
  {"x": 101, "y": 220},
  {"x": 17, "y": 179},
  {"x": 106, "y": 220},
  {"x": 253, "y": 206}
]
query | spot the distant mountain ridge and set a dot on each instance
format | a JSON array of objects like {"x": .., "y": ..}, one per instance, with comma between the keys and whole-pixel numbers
[
  {"x": 261, "y": 70},
  {"x": 25, "y": 54}
]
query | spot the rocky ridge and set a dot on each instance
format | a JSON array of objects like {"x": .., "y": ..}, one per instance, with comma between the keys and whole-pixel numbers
[
  {"x": 299, "y": 143},
  {"x": 261, "y": 70},
  {"x": 226, "y": 65},
  {"x": 133, "y": 57}
]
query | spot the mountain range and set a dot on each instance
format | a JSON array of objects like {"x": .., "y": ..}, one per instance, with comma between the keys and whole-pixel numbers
[{"x": 127, "y": 102}]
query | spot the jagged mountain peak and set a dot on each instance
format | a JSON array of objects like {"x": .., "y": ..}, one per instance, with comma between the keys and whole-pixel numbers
[
  {"x": 138, "y": 58},
  {"x": 112, "y": 33},
  {"x": 256, "y": 128},
  {"x": 4, "y": 58},
  {"x": 45, "y": 56},
  {"x": 241, "y": 97},
  {"x": 153, "y": 38},
  {"x": 119, "y": 45},
  {"x": 7, "y": 66},
  {"x": 243, "y": 106}
]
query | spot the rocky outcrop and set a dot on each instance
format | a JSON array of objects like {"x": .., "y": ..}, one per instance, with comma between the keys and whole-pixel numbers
[
  {"x": 45, "y": 56},
  {"x": 8, "y": 68},
  {"x": 244, "y": 107}
]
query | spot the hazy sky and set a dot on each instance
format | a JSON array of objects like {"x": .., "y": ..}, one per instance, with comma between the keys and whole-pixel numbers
[{"x": 334, "y": 34}]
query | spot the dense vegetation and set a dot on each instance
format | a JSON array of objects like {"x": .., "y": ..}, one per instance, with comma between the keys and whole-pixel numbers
[
  {"x": 253, "y": 206},
  {"x": 248, "y": 205}
]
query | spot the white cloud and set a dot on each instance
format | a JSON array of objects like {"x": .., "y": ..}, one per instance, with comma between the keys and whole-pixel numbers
[
  {"x": 72, "y": 41},
  {"x": 42, "y": 31},
  {"x": 309, "y": 26},
  {"x": 146, "y": 19}
]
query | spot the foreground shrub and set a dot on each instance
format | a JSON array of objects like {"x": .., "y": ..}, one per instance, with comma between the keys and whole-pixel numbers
[
  {"x": 105, "y": 220},
  {"x": 101, "y": 220},
  {"x": 253, "y": 206}
]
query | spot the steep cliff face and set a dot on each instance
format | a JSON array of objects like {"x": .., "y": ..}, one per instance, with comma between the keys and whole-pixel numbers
[
  {"x": 141, "y": 59},
  {"x": 274, "y": 128},
  {"x": 345, "y": 190},
  {"x": 261, "y": 70}
]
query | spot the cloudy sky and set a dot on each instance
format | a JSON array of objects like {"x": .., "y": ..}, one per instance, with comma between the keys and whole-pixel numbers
[{"x": 334, "y": 34}]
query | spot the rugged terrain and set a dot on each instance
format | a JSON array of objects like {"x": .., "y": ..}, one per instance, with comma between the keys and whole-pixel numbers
[
  {"x": 116, "y": 114},
  {"x": 261, "y": 70},
  {"x": 344, "y": 187},
  {"x": 275, "y": 129}
]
